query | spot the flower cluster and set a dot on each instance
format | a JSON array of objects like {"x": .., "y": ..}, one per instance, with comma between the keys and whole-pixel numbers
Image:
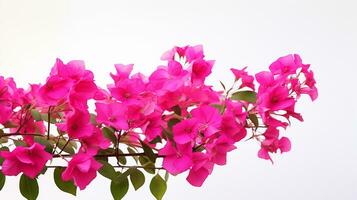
[{"x": 170, "y": 118}]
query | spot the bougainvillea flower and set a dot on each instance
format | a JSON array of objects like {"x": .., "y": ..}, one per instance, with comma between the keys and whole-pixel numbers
[
  {"x": 55, "y": 89},
  {"x": 200, "y": 69},
  {"x": 276, "y": 98},
  {"x": 127, "y": 90},
  {"x": 219, "y": 148},
  {"x": 112, "y": 114},
  {"x": 78, "y": 125},
  {"x": 176, "y": 160},
  {"x": 96, "y": 140},
  {"x": 202, "y": 167},
  {"x": 82, "y": 169},
  {"x": 29, "y": 160},
  {"x": 241, "y": 74},
  {"x": 272, "y": 143},
  {"x": 185, "y": 131},
  {"x": 286, "y": 65},
  {"x": 168, "y": 79},
  {"x": 208, "y": 118},
  {"x": 123, "y": 72}
]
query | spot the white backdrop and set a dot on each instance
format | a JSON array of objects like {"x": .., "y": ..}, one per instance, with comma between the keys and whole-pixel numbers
[{"x": 323, "y": 161}]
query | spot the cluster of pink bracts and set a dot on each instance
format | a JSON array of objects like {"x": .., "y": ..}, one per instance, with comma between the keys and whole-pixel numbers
[{"x": 172, "y": 112}]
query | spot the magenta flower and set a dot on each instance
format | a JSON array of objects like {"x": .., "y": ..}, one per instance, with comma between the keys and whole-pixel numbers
[
  {"x": 54, "y": 90},
  {"x": 185, "y": 131},
  {"x": 78, "y": 125},
  {"x": 123, "y": 72},
  {"x": 177, "y": 159},
  {"x": 82, "y": 169},
  {"x": 202, "y": 167},
  {"x": 286, "y": 65},
  {"x": 219, "y": 148},
  {"x": 200, "y": 70},
  {"x": 208, "y": 119},
  {"x": 241, "y": 74},
  {"x": 29, "y": 160},
  {"x": 168, "y": 78},
  {"x": 112, "y": 114},
  {"x": 272, "y": 143}
]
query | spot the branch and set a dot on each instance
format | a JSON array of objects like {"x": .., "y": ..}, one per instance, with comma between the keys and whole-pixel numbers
[{"x": 108, "y": 155}]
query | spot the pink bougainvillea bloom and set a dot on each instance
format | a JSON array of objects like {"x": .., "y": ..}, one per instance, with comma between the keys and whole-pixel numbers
[
  {"x": 82, "y": 169},
  {"x": 185, "y": 131},
  {"x": 5, "y": 110},
  {"x": 78, "y": 125},
  {"x": 241, "y": 74},
  {"x": 96, "y": 140},
  {"x": 200, "y": 69},
  {"x": 286, "y": 65},
  {"x": 231, "y": 128},
  {"x": 153, "y": 126},
  {"x": 202, "y": 167},
  {"x": 208, "y": 118},
  {"x": 127, "y": 90},
  {"x": 112, "y": 114},
  {"x": 74, "y": 69},
  {"x": 29, "y": 160},
  {"x": 191, "y": 53},
  {"x": 168, "y": 79},
  {"x": 177, "y": 159},
  {"x": 219, "y": 148},
  {"x": 123, "y": 72},
  {"x": 275, "y": 98},
  {"x": 272, "y": 143},
  {"x": 55, "y": 89}
]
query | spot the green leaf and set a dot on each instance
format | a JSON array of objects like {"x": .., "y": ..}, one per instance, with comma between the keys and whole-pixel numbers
[
  {"x": 44, "y": 117},
  {"x": 107, "y": 170},
  {"x": 137, "y": 178},
  {"x": 36, "y": 115},
  {"x": 172, "y": 122},
  {"x": 167, "y": 175},
  {"x": 65, "y": 186},
  {"x": 19, "y": 143},
  {"x": 132, "y": 151},
  {"x": 3, "y": 149},
  {"x": 158, "y": 187},
  {"x": 147, "y": 164},
  {"x": 122, "y": 176},
  {"x": 148, "y": 152},
  {"x": 69, "y": 148},
  {"x": 254, "y": 119},
  {"x": 248, "y": 96},
  {"x": 28, "y": 188},
  {"x": 122, "y": 159},
  {"x": 93, "y": 119},
  {"x": 109, "y": 133},
  {"x": 119, "y": 188},
  {"x": 2, "y": 180}
]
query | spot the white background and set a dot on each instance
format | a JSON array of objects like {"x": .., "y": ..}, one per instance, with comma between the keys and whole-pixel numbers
[{"x": 323, "y": 161}]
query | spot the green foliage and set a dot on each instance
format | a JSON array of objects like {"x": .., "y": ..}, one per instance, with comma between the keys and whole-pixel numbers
[
  {"x": 109, "y": 134},
  {"x": 65, "y": 186},
  {"x": 119, "y": 188},
  {"x": 107, "y": 170},
  {"x": 2, "y": 180},
  {"x": 28, "y": 188},
  {"x": 158, "y": 187},
  {"x": 137, "y": 178},
  {"x": 248, "y": 96}
]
